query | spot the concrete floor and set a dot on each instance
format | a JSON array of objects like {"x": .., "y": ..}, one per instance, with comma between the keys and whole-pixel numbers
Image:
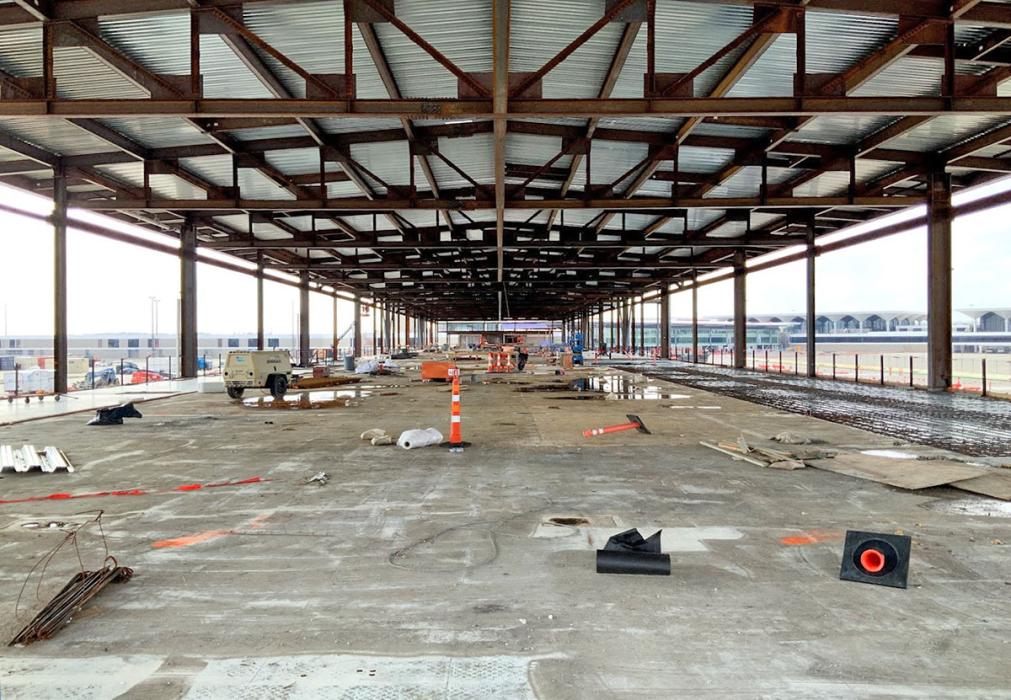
[{"x": 428, "y": 574}]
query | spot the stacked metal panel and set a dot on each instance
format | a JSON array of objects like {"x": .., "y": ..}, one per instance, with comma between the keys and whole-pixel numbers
[{"x": 27, "y": 457}]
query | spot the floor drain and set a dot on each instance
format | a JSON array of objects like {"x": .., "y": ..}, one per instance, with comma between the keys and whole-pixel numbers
[{"x": 569, "y": 521}]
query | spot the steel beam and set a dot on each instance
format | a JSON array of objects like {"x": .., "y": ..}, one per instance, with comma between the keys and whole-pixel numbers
[
  {"x": 188, "y": 300},
  {"x": 359, "y": 204},
  {"x": 939, "y": 217},
  {"x": 688, "y": 107}
]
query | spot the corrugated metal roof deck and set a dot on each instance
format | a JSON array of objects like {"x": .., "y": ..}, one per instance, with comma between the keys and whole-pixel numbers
[{"x": 311, "y": 34}]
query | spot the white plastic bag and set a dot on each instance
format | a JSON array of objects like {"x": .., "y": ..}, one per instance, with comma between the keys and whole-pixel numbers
[{"x": 410, "y": 439}]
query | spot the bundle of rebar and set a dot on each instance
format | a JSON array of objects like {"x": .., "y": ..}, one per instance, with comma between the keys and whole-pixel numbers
[{"x": 75, "y": 595}]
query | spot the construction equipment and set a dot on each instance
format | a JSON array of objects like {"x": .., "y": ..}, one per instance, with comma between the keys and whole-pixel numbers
[
  {"x": 577, "y": 348},
  {"x": 635, "y": 423},
  {"x": 268, "y": 369}
]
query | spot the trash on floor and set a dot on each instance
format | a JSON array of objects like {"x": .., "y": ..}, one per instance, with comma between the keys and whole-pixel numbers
[
  {"x": 380, "y": 440},
  {"x": 788, "y": 438},
  {"x": 377, "y": 367},
  {"x": 411, "y": 439},
  {"x": 876, "y": 558},
  {"x": 318, "y": 478},
  {"x": 742, "y": 450},
  {"x": 115, "y": 414},
  {"x": 629, "y": 553},
  {"x": 26, "y": 458},
  {"x": 372, "y": 434},
  {"x": 635, "y": 423}
]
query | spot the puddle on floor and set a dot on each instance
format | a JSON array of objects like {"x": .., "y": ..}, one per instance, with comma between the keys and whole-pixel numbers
[
  {"x": 971, "y": 505},
  {"x": 303, "y": 400},
  {"x": 891, "y": 454},
  {"x": 610, "y": 386}
]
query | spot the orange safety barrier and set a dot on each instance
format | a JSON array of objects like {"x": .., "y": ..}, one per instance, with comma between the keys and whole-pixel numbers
[{"x": 500, "y": 362}]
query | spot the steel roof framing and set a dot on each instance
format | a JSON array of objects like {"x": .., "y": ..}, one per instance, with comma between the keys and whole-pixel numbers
[{"x": 521, "y": 226}]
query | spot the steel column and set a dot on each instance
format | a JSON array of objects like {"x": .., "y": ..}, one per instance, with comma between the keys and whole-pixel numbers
[
  {"x": 631, "y": 321},
  {"x": 188, "y": 300},
  {"x": 642, "y": 325},
  {"x": 60, "y": 281},
  {"x": 304, "y": 350},
  {"x": 740, "y": 310},
  {"x": 811, "y": 345},
  {"x": 600, "y": 326},
  {"x": 356, "y": 348},
  {"x": 939, "y": 216},
  {"x": 260, "y": 339},
  {"x": 336, "y": 333},
  {"x": 665, "y": 324},
  {"x": 695, "y": 320}
]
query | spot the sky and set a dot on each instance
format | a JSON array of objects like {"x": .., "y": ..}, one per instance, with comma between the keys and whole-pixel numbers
[{"x": 111, "y": 284}]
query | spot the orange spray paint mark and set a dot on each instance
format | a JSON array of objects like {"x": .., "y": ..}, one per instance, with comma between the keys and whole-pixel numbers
[
  {"x": 812, "y": 537},
  {"x": 187, "y": 540}
]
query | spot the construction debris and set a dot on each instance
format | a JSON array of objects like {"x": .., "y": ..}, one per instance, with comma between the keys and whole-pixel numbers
[
  {"x": 27, "y": 457},
  {"x": 319, "y": 478},
  {"x": 629, "y": 553},
  {"x": 909, "y": 474},
  {"x": 323, "y": 382},
  {"x": 115, "y": 414},
  {"x": 634, "y": 423},
  {"x": 382, "y": 440},
  {"x": 304, "y": 400},
  {"x": 411, "y": 439},
  {"x": 372, "y": 434},
  {"x": 788, "y": 438},
  {"x": 58, "y": 613},
  {"x": 759, "y": 456}
]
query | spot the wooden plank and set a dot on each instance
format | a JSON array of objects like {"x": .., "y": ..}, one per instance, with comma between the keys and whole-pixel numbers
[
  {"x": 904, "y": 473},
  {"x": 995, "y": 484}
]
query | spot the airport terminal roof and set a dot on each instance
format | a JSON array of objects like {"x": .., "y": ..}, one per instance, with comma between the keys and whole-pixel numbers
[{"x": 455, "y": 158}]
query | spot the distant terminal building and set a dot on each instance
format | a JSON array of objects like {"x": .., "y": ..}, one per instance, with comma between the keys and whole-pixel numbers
[{"x": 981, "y": 330}]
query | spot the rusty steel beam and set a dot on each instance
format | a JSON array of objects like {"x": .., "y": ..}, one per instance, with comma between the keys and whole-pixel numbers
[
  {"x": 982, "y": 13},
  {"x": 618, "y": 61},
  {"x": 518, "y": 109},
  {"x": 389, "y": 205}
]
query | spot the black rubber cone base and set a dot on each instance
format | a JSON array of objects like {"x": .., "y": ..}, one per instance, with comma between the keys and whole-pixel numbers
[
  {"x": 871, "y": 557},
  {"x": 459, "y": 445}
]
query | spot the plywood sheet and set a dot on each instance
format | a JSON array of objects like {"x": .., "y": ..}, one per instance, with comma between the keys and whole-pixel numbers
[
  {"x": 904, "y": 473},
  {"x": 993, "y": 484}
]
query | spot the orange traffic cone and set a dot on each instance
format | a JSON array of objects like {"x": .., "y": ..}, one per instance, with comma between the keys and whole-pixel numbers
[{"x": 455, "y": 429}]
